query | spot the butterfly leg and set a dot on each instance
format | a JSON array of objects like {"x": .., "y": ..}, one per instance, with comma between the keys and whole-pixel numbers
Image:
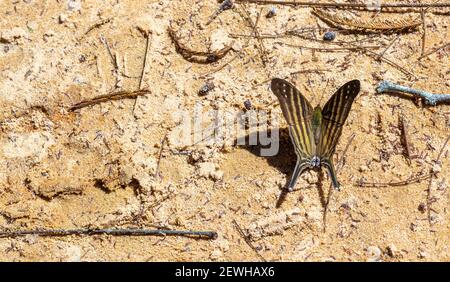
[
  {"x": 329, "y": 165},
  {"x": 300, "y": 166}
]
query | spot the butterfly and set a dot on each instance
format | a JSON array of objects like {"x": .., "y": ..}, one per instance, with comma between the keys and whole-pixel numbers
[{"x": 314, "y": 132}]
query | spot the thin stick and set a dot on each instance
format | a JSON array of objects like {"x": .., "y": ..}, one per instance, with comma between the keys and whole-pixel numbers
[
  {"x": 346, "y": 5},
  {"x": 429, "y": 201},
  {"x": 111, "y": 55},
  {"x": 434, "y": 51},
  {"x": 97, "y": 25},
  {"x": 430, "y": 99},
  {"x": 108, "y": 97},
  {"x": 144, "y": 64},
  {"x": 114, "y": 232},
  {"x": 294, "y": 73},
  {"x": 163, "y": 141},
  {"x": 404, "y": 130},
  {"x": 253, "y": 25},
  {"x": 226, "y": 5},
  {"x": 387, "y": 48},
  {"x": 398, "y": 183},
  {"x": 355, "y": 48},
  {"x": 247, "y": 240},
  {"x": 424, "y": 31},
  {"x": 220, "y": 67},
  {"x": 383, "y": 59}
]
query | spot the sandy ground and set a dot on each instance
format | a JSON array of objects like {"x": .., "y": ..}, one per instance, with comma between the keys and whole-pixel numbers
[{"x": 118, "y": 164}]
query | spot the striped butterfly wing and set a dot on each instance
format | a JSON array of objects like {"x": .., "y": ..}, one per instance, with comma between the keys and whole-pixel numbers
[
  {"x": 334, "y": 115},
  {"x": 298, "y": 113}
]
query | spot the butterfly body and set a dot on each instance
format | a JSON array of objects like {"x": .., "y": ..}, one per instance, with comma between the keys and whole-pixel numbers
[{"x": 314, "y": 132}]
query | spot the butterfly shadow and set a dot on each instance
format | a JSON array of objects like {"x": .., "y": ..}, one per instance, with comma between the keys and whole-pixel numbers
[{"x": 284, "y": 161}]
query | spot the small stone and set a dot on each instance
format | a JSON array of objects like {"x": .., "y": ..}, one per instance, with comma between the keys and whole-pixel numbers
[
  {"x": 74, "y": 5},
  {"x": 363, "y": 168},
  {"x": 422, "y": 207},
  {"x": 373, "y": 253},
  {"x": 217, "y": 175},
  {"x": 62, "y": 18},
  {"x": 216, "y": 254},
  {"x": 392, "y": 250},
  {"x": 329, "y": 36},
  {"x": 436, "y": 168},
  {"x": 248, "y": 105},
  {"x": 226, "y": 5},
  {"x": 205, "y": 89},
  {"x": 13, "y": 35},
  {"x": 272, "y": 13},
  {"x": 422, "y": 254}
]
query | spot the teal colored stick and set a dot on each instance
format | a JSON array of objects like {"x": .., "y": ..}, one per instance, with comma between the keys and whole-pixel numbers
[{"x": 430, "y": 99}]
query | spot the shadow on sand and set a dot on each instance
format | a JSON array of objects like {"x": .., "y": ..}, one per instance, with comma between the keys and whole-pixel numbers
[{"x": 285, "y": 161}]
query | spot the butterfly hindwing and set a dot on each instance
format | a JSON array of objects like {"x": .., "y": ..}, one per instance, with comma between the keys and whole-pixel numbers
[
  {"x": 297, "y": 111},
  {"x": 334, "y": 115}
]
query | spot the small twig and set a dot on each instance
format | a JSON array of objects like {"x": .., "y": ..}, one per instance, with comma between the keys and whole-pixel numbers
[
  {"x": 336, "y": 49},
  {"x": 424, "y": 30},
  {"x": 247, "y": 240},
  {"x": 108, "y": 97},
  {"x": 113, "y": 58},
  {"x": 147, "y": 35},
  {"x": 430, "y": 99},
  {"x": 97, "y": 25},
  {"x": 380, "y": 56},
  {"x": 404, "y": 130},
  {"x": 347, "y": 5},
  {"x": 383, "y": 59},
  {"x": 163, "y": 141},
  {"x": 199, "y": 57},
  {"x": 144, "y": 64},
  {"x": 392, "y": 183},
  {"x": 226, "y": 5},
  {"x": 220, "y": 67},
  {"x": 254, "y": 26},
  {"x": 114, "y": 232},
  {"x": 429, "y": 199},
  {"x": 291, "y": 74},
  {"x": 434, "y": 51}
]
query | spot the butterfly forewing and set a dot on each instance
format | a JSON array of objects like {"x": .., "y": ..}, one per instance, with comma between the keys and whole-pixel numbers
[
  {"x": 297, "y": 111},
  {"x": 334, "y": 114}
]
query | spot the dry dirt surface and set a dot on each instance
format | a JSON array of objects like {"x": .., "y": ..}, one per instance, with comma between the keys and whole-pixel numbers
[{"x": 118, "y": 163}]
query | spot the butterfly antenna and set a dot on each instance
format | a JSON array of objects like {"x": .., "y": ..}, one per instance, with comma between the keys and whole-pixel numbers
[{"x": 299, "y": 168}]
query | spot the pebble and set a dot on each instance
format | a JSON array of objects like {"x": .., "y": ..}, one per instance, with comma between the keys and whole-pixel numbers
[
  {"x": 329, "y": 36},
  {"x": 208, "y": 169},
  {"x": 272, "y": 13},
  {"x": 373, "y": 253},
  {"x": 205, "y": 89},
  {"x": 62, "y": 18},
  {"x": 74, "y": 5},
  {"x": 248, "y": 104},
  {"x": 392, "y": 250},
  {"x": 422, "y": 207},
  {"x": 226, "y": 5},
  {"x": 13, "y": 35}
]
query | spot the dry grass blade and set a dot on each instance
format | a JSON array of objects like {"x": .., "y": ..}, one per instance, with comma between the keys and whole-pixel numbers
[
  {"x": 375, "y": 25},
  {"x": 109, "y": 97}
]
